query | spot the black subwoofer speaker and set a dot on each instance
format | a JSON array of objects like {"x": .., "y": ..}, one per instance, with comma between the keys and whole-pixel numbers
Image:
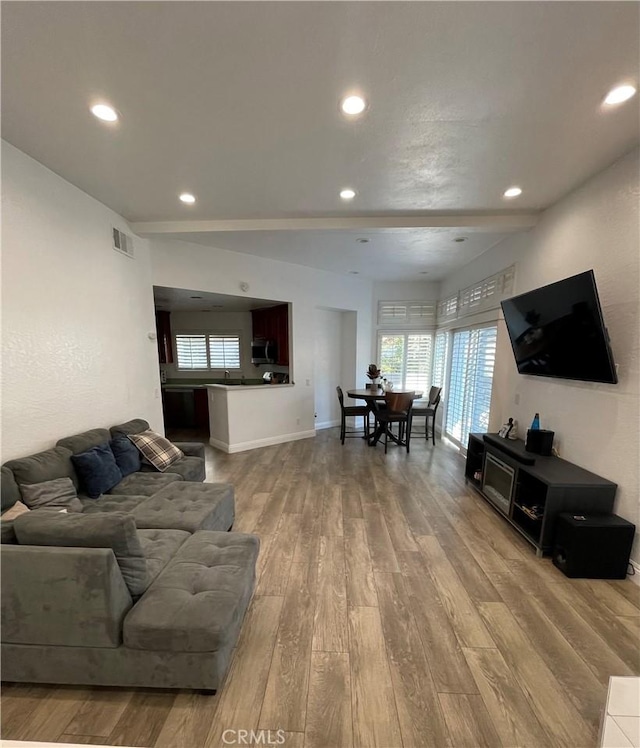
[
  {"x": 592, "y": 546},
  {"x": 539, "y": 441}
]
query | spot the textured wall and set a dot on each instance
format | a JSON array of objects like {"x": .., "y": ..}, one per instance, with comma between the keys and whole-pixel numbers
[
  {"x": 75, "y": 314},
  {"x": 597, "y": 425}
]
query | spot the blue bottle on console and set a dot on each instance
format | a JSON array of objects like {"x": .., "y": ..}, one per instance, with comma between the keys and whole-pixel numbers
[{"x": 535, "y": 424}]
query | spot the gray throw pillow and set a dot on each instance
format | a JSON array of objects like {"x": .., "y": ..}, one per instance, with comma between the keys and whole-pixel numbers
[
  {"x": 59, "y": 493},
  {"x": 114, "y": 530}
]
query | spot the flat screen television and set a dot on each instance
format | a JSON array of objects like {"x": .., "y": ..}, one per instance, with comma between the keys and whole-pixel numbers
[{"x": 558, "y": 331}]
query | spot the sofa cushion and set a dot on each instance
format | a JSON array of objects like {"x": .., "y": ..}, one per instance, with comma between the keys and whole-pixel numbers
[
  {"x": 126, "y": 454},
  {"x": 188, "y": 506},
  {"x": 160, "y": 452},
  {"x": 159, "y": 547},
  {"x": 86, "y": 440},
  {"x": 136, "y": 426},
  {"x": 47, "y": 465},
  {"x": 114, "y": 530},
  {"x": 145, "y": 484},
  {"x": 198, "y": 602},
  {"x": 189, "y": 469},
  {"x": 112, "y": 503},
  {"x": 58, "y": 493},
  {"x": 9, "y": 491},
  {"x": 97, "y": 470},
  {"x": 7, "y": 532}
]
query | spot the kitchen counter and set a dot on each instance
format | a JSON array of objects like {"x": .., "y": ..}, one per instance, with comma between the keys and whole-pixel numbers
[
  {"x": 247, "y": 386},
  {"x": 243, "y": 417}
]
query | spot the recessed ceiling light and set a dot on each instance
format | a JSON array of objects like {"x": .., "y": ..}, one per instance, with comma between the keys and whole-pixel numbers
[
  {"x": 104, "y": 112},
  {"x": 619, "y": 94},
  {"x": 186, "y": 197},
  {"x": 347, "y": 194},
  {"x": 362, "y": 240},
  {"x": 460, "y": 239},
  {"x": 424, "y": 272},
  {"x": 353, "y": 105},
  {"x": 353, "y": 272},
  {"x": 513, "y": 192}
]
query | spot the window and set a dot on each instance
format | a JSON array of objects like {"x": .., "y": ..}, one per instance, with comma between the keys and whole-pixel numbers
[
  {"x": 469, "y": 396},
  {"x": 405, "y": 359},
  {"x": 204, "y": 351},
  {"x": 401, "y": 313}
]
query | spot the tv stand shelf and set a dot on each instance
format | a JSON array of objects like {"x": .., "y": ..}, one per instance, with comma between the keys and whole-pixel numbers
[{"x": 529, "y": 490}]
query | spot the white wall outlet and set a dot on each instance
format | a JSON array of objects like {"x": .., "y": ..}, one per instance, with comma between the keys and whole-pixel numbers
[
  {"x": 156, "y": 393},
  {"x": 308, "y": 381},
  {"x": 297, "y": 421},
  {"x": 516, "y": 399}
]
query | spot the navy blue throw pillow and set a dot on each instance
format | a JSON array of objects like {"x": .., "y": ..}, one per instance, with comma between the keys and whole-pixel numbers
[
  {"x": 126, "y": 454},
  {"x": 97, "y": 470}
]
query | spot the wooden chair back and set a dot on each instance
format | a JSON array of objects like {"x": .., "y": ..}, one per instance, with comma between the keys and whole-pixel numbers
[{"x": 399, "y": 402}]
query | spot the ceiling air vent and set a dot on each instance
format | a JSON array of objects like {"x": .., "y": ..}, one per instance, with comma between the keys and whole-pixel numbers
[{"x": 122, "y": 242}]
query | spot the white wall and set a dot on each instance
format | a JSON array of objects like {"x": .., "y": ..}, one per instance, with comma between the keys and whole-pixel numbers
[
  {"x": 76, "y": 314},
  {"x": 596, "y": 425},
  {"x": 183, "y": 265},
  {"x": 328, "y": 367},
  {"x": 229, "y": 322}
]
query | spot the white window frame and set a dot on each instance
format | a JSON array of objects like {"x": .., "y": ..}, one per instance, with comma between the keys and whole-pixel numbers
[{"x": 207, "y": 335}]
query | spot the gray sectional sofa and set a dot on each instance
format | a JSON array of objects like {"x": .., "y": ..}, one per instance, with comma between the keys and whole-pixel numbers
[{"x": 144, "y": 587}]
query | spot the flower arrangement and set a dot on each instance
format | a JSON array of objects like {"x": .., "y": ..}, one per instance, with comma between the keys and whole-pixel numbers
[{"x": 373, "y": 372}]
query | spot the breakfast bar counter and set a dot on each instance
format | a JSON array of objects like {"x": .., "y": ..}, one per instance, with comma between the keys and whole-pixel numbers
[{"x": 243, "y": 417}]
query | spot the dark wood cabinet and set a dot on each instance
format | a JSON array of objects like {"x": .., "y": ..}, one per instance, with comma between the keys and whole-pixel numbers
[
  {"x": 163, "y": 332},
  {"x": 201, "y": 398},
  {"x": 273, "y": 324},
  {"x": 529, "y": 490}
]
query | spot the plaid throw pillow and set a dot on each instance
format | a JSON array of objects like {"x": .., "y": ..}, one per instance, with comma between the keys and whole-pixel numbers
[{"x": 160, "y": 452}]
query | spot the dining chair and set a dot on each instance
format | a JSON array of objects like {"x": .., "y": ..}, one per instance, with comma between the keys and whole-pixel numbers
[
  {"x": 352, "y": 410},
  {"x": 397, "y": 408},
  {"x": 429, "y": 410}
]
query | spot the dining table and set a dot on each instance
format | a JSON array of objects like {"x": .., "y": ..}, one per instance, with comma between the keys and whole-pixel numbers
[{"x": 372, "y": 395}]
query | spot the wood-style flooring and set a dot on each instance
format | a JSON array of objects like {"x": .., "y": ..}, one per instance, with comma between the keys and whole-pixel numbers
[{"x": 393, "y": 608}]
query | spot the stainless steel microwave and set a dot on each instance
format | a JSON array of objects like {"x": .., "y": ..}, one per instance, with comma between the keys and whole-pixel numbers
[{"x": 263, "y": 351}]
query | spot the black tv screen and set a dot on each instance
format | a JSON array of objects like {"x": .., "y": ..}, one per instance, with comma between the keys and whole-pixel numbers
[{"x": 558, "y": 331}]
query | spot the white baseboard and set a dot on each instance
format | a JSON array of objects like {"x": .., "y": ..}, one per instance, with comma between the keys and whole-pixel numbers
[
  {"x": 257, "y": 443},
  {"x": 327, "y": 425}
]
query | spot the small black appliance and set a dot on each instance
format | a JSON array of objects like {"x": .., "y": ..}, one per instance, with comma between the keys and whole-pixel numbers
[
  {"x": 592, "y": 546},
  {"x": 539, "y": 441}
]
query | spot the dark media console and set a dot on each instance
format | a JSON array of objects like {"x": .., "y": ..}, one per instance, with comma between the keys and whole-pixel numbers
[{"x": 530, "y": 490}]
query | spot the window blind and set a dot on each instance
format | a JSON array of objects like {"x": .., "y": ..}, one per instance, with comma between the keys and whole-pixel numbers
[
  {"x": 469, "y": 396},
  {"x": 191, "y": 351},
  {"x": 224, "y": 352},
  {"x": 400, "y": 313},
  {"x": 440, "y": 359}
]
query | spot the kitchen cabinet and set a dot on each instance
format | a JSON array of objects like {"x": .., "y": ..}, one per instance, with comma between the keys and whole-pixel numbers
[
  {"x": 201, "y": 404},
  {"x": 273, "y": 324},
  {"x": 163, "y": 332}
]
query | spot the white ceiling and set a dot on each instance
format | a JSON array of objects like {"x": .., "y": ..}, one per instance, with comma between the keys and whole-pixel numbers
[{"x": 238, "y": 103}]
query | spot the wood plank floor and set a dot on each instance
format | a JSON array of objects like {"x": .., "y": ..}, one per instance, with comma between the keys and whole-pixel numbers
[{"x": 394, "y": 608}]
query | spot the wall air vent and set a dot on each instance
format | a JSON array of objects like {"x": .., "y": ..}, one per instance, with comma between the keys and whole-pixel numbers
[{"x": 122, "y": 242}]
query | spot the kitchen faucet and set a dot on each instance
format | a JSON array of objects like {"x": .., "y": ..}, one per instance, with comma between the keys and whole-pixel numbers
[{"x": 227, "y": 373}]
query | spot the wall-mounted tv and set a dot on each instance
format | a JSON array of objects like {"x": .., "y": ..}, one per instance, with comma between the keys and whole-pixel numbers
[{"x": 558, "y": 331}]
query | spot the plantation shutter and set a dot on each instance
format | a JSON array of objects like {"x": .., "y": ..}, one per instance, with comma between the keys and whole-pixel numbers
[
  {"x": 469, "y": 396},
  {"x": 192, "y": 351},
  {"x": 418, "y": 362},
  {"x": 440, "y": 359},
  {"x": 224, "y": 351}
]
